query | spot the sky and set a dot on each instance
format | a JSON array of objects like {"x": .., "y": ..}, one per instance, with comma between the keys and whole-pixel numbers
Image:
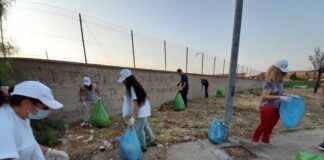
[{"x": 271, "y": 30}]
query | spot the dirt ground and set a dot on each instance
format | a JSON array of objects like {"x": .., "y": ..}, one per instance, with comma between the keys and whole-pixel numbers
[{"x": 172, "y": 127}]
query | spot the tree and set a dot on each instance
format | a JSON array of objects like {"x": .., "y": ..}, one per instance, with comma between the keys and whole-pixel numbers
[
  {"x": 4, "y": 5},
  {"x": 317, "y": 61},
  {"x": 5, "y": 47},
  {"x": 294, "y": 77}
]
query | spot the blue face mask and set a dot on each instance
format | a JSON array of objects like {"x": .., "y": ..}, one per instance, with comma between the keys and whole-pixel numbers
[{"x": 40, "y": 115}]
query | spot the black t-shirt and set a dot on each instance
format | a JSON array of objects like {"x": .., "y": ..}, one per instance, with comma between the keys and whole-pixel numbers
[
  {"x": 184, "y": 79},
  {"x": 205, "y": 82}
]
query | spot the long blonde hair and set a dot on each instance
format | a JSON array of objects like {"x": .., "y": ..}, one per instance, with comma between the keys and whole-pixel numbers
[{"x": 274, "y": 74}]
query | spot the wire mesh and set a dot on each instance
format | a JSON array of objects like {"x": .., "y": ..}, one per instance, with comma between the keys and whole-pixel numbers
[
  {"x": 48, "y": 32},
  {"x": 149, "y": 52}
]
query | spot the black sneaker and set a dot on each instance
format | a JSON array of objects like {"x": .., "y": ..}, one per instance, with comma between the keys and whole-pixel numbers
[
  {"x": 144, "y": 149},
  {"x": 152, "y": 143},
  {"x": 321, "y": 146}
]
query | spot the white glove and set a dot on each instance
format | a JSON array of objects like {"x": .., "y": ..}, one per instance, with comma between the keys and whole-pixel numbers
[
  {"x": 131, "y": 121},
  {"x": 56, "y": 154},
  {"x": 284, "y": 98},
  {"x": 294, "y": 96},
  {"x": 84, "y": 103}
]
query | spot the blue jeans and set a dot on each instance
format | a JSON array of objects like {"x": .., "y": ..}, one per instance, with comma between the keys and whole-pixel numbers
[{"x": 144, "y": 130}]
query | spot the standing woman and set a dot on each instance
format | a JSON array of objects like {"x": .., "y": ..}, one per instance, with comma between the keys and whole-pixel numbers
[
  {"x": 89, "y": 95},
  {"x": 139, "y": 108},
  {"x": 29, "y": 100},
  {"x": 273, "y": 93}
]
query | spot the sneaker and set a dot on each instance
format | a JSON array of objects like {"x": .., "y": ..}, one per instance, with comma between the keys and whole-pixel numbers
[
  {"x": 144, "y": 149},
  {"x": 152, "y": 143},
  {"x": 321, "y": 146},
  {"x": 254, "y": 144}
]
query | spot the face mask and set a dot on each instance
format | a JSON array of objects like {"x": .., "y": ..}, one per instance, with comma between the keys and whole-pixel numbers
[{"x": 40, "y": 115}]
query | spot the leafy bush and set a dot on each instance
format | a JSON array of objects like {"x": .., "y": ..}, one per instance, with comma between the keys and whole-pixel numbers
[
  {"x": 6, "y": 71},
  {"x": 46, "y": 131},
  {"x": 292, "y": 83}
]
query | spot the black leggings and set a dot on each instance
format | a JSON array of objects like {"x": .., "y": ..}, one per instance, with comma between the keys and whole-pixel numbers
[{"x": 184, "y": 94}]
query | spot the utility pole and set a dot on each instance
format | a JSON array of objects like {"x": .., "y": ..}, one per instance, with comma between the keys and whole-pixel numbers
[
  {"x": 84, "y": 50},
  {"x": 233, "y": 63}
]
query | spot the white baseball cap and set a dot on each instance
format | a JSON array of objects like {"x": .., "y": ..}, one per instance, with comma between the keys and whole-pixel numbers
[
  {"x": 37, "y": 90},
  {"x": 282, "y": 65},
  {"x": 86, "y": 81},
  {"x": 124, "y": 73}
]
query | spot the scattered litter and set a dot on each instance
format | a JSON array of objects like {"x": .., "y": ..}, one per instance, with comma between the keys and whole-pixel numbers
[
  {"x": 102, "y": 148},
  {"x": 79, "y": 137},
  {"x": 89, "y": 139},
  {"x": 192, "y": 124},
  {"x": 91, "y": 131},
  {"x": 221, "y": 155},
  {"x": 107, "y": 144}
]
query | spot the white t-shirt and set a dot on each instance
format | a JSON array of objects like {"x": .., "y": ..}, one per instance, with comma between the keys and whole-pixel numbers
[
  {"x": 16, "y": 137},
  {"x": 128, "y": 106}
]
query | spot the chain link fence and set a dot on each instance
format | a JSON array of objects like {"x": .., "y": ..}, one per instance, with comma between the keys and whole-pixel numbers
[{"x": 56, "y": 34}]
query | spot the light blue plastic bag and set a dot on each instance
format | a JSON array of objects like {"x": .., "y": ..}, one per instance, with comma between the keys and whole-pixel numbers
[
  {"x": 216, "y": 132},
  {"x": 291, "y": 112},
  {"x": 129, "y": 145}
]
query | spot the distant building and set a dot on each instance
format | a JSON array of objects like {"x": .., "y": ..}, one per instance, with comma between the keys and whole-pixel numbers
[{"x": 305, "y": 75}]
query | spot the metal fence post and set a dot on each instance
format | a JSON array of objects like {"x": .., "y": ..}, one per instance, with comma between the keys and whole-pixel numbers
[
  {"x": 214, "y": 65},
  {"x": 202, "y": 63},
  {"x": 223, "y": 66},
  {"x": 132, "y": 37},
  {"x": 165, "y": 59},
  {"x": 84, "y": 50},
  {"x": 187, "y": 59},
  {"x": 46, "y": 55}
]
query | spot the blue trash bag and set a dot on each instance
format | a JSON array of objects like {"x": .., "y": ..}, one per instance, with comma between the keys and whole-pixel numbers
[
  {"x": 217, "y": 132},
  {"x": 291, "y": 112},
  {"x": 129, "y": 145}
]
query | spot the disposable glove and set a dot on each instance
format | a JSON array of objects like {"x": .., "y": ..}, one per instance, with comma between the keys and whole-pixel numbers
[
  {"x": 284, "y": 98},
  {"x": 56, "y": 154},
  {"x": 131, "y": 121}
]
